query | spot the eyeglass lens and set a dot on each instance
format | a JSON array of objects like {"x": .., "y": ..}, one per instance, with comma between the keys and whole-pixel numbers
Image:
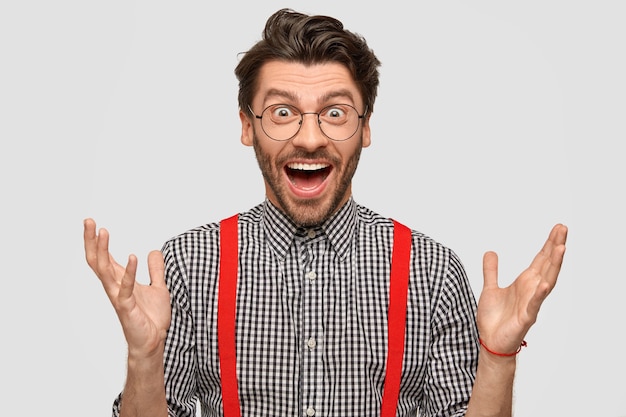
[{"x": 282, "y": 121}]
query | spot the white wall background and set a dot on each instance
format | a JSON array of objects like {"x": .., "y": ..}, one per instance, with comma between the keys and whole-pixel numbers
[{"x": 494, "y": 121}]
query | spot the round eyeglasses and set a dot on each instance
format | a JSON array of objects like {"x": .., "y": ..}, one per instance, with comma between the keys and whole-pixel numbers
[{"x": 282, "y": 122}]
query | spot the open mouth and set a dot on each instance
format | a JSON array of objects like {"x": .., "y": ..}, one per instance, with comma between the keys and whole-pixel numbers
[{"x": 307, "y": 177}]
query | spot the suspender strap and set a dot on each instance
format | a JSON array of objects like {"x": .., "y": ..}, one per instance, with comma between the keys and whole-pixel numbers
[
  {"x": 396, "y": 317},
  {"x": 226, "y": 302},
  {"x": 227, "y": 296}
]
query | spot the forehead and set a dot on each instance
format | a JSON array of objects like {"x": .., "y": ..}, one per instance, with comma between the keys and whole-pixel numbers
[{"x": 303, "y": 84}]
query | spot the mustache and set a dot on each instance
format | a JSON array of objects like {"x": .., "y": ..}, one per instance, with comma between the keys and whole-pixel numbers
[
  {"x": 317, "y": 155},
  {"x": 301, "y": 154}
]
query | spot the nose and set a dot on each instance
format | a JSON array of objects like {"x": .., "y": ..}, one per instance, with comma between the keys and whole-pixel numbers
[{"x": 310, "y": 136}]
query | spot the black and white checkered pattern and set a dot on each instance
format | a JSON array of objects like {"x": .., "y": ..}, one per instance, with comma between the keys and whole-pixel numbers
[{"x": 311, "y": 328}]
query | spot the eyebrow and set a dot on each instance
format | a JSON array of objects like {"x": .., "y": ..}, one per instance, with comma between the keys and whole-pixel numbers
[
  {"x": 292, "y": 97},
  {"x": 344, "y": 93},
  {"x": 274, "y": 92}
]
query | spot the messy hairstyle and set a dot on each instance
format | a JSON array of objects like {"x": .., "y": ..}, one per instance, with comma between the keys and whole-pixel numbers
[{"x": 296, "y": 37}]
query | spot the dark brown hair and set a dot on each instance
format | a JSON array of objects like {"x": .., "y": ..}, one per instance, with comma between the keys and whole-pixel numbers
[{"x": 296, "y": 37}]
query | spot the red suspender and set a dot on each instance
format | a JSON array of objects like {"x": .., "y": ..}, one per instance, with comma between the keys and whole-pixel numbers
[
  {"x": 398, "y": 289},
  {"x": 227, "y": 295},
  {"x": 226, "y": 300}
]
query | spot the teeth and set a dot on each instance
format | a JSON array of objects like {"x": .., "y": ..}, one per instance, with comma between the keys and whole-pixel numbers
[{"x": 306, "y": 167}]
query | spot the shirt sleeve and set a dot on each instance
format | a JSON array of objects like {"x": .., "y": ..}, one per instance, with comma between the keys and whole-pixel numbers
[
  {"x": 180, "y": 363},
  {"x": 179, "y": 357},
  {"x": 453, "y": 357}
]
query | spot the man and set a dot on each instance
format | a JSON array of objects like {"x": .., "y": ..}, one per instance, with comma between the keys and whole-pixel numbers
[{"x": 310, "y": 304}]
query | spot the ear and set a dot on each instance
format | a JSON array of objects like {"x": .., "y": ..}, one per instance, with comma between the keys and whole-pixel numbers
[
  {"x": 247, "y": 130},
  {"x": 367, "y": 132}
]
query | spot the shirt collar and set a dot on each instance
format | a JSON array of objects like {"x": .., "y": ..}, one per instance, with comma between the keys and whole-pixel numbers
[{"x": 280, "y": 230}]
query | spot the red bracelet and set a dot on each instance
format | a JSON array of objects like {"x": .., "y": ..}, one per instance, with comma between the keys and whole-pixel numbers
[{"x": 523, "y": 344}]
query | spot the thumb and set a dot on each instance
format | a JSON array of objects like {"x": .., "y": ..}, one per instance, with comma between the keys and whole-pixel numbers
[
  {"x": 490, "y": 270},
  {"x": 156, "y": 268}
]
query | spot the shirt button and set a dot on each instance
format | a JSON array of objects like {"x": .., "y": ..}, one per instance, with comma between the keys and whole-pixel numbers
[
  {"x": 310, "y": 411},
  {"x": 311, "y": 343},
  {"x": 311, "y": 233},
  {"x": 311, "y": 275}
]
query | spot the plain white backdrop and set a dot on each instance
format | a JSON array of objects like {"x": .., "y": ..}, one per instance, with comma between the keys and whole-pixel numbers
[{"x": 494, "y": 121}]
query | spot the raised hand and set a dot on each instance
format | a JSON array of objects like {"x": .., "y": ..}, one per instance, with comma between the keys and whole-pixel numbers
[
  {"x": 505, "y": 315},
  {"x": 143, "y": 310}
]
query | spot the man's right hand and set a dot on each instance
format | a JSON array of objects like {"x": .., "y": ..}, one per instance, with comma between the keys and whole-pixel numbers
[{"x": 143, "y": 310}]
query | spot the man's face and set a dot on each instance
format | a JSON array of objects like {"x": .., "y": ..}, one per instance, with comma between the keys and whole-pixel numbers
[{"x": 309, "y": 176}]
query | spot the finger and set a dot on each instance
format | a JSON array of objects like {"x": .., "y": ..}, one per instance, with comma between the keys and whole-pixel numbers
[
  {"x": 102, "y": 250},
  {"x": 107, "y": 270},
  {"x": 551, "y": 266},
  {"x": 128, "y": 280},
  {"x": 559, "y": 231},
  {"x": 549, "y": 260},
  {"x": 541, "y": 261},
  {"x": 553, "y": 260},
  {"x": 558, "y": 252},
  {"x": 557, "y": 237},
  {"x": 156, "y": 268},
  {"x": 89, "y": 238},
  {"x": 490, "y": 270}
]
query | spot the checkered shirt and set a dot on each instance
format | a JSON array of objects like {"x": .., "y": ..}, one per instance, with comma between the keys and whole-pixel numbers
[{"x": 311, "y": 320}]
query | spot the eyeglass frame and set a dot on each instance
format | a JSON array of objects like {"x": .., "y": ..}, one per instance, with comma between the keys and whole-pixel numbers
[{"x": 319, "y": 122}]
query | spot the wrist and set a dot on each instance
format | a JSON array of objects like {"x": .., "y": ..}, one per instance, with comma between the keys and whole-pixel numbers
[
  {"x": 501, "y": 354},
  {"x": 146, "y": 358}
]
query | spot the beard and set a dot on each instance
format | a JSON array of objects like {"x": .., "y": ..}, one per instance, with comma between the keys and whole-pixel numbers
[{"x": 307, "y": 212}]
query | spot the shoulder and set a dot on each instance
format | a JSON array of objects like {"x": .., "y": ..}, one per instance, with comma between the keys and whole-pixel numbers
[
  {"x": 192, "y": 257},
  {"x": 428, "y": 254},
  {"x": 203, "y": 237},
  {"x": 375, "y": 223},
  {"x": 434, "y": 267}
]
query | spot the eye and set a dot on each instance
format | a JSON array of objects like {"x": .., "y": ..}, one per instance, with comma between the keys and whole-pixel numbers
[
  {"x": 282, "y": 112},
  {"x": 334, "y": 112},
  {"x": 337, "y": 114}
]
